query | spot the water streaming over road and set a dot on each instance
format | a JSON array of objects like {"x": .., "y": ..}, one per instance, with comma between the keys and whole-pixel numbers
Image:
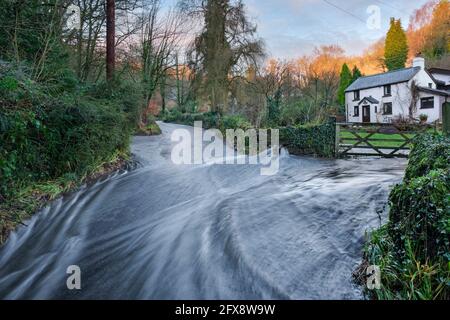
[{"x": 204, "y": 232}]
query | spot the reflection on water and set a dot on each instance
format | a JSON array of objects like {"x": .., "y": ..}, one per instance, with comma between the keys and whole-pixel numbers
[{"x": 204, "y": 232}]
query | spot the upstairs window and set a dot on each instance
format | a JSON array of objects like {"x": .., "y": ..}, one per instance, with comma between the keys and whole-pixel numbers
[
  {"x": 427, "y": 103},
  {"x": 356, "y": 95},
  {"x": 430, "y": 85},
  {"x": 387, "y": 90},
  {"x": 356, "y": 111},
  {"x": 387, "y": 108}
]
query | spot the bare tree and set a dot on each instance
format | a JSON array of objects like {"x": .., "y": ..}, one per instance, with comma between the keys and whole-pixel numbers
[{"x": 225, "y": 48}]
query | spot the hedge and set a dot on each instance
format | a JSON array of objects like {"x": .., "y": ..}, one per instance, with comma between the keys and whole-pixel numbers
[
  {"x": 413, "y": 249},
  {"x": 310, "y": 139},
  {"x": 44, "y": 137},
  {"x": 318, "y": 139}
]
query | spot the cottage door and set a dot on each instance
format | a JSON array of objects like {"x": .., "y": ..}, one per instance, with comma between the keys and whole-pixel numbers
[{"x": 366, "y": 114}]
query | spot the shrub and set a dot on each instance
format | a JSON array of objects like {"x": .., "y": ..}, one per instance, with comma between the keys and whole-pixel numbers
[
  {"x": 429, "y": 152},
  {"x": 413, "y": 249},
  {"x": 44, "y": 136},
  {"x": 423, "y": 118},
  {"x": 234, "y": 122},
  {"x": 419, "y": 215},
  {"x": 209, "y": 119},
  {"x": 310, "y": 139}
]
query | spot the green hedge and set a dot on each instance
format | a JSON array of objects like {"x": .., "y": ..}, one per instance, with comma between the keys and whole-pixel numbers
[
  {"x": 413, "y": 249},
  {"x": 44, "y": 137},
  {"x": 210, "y": 119},
  {"x": 430, "y": 152},
  {"x": 310, "y": 139},
  {"x": 318, "y": 139}
]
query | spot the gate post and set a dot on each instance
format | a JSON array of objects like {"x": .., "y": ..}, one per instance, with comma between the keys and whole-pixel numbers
[
  {"x": 333, "y": 121},
  {"x": 446, "y": 118}
]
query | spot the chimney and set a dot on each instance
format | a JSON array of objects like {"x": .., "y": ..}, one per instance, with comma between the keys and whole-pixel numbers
[{"x": 419, "y": 62}]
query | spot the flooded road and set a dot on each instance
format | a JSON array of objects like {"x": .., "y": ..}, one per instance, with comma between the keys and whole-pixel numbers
[{"x": 164, "y": 231}]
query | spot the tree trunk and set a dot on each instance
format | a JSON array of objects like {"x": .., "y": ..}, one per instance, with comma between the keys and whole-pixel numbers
[{"x": 110, "y": 39}]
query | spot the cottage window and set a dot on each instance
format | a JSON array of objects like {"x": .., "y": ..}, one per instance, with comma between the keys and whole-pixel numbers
[
  {"x": 356, "y": 95},
  {"x": 430, "y": 85},
  {"x": 427, "y": 103},
  {"x": 387, "y": 90},
  {"x": 387, "y": 108},
  {"x": 356, "y": 111}
]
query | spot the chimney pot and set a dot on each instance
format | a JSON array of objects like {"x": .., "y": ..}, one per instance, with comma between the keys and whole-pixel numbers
[{"x": 419, "y": 62}]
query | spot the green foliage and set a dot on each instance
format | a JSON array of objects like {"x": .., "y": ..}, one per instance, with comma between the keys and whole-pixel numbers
[
  {"x": 31, "y": 32},
  {"x": 234, "y": 122},
  {"x": 436, "y": 44},
  {"x": 273, "y": 108},
  {"x": 430, "y": 152},
  {"x": 303, "y": 111},
  {"x": 307, "y": 139},
  {"x": 413, "y": 249},
  {"x": 310, "y": 139},
  {"x": 356, "y": 73},
  {"x": 415, "y": 280},
  {"x": 344, "y": 82},
  {"x": 396, "y": 46},
  {"x": 420, "y": 215},
  {"x": 209, "y": 119},
  {"x": 44, "y": 137}
]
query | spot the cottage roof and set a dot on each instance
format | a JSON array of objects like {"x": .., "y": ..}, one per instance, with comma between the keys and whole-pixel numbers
[{"x": 377, "y": 80}]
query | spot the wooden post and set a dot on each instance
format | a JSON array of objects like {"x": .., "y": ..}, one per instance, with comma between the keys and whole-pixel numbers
[
  {"x": 110, "y": 39},
  {"x": 446, "y": 118},
  {"x": 338, "y": 139},
  {"x": 333, "y": 121}
]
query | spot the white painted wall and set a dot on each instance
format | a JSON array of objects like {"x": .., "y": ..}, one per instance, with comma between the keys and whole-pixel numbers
[
  {"x": 400, "y": 98},
  {"x": 433, "y": 114}
]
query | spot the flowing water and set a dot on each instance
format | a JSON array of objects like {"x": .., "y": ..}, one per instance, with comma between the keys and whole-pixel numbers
[{"x": 164, "y": 231}]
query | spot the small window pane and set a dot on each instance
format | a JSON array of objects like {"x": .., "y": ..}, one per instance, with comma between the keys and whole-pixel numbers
[
  {"x": 387, "y": 108},
  {"x": 427, "y": 103}
]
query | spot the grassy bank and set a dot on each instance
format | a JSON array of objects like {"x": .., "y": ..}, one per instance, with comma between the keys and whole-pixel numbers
[
  {"x": 413, "y": 248},
  {"x": 32, "y": 197}
]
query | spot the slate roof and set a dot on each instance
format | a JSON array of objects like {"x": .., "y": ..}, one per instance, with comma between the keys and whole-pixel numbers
[
  {"x": 382, "y": 79},
  {"x": 439, "y": 71},
  {"x": 435, "y": 91}
]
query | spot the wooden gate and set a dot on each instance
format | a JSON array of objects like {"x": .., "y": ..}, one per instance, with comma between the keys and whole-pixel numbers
[{"x": 381, "y": 140}]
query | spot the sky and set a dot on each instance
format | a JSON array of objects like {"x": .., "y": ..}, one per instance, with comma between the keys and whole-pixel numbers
[{"x": 292, "y": 28}]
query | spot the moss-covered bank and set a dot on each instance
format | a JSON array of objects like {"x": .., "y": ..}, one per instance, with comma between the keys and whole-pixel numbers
[{"x": 412, "y": 249}]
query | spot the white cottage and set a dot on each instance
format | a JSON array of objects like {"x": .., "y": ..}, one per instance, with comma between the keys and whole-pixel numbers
[{"x": 382, "y": 98}]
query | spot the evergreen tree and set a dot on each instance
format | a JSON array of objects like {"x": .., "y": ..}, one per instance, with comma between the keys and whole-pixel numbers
[
  {"x": 345, "y": 81},
  {"x": 396, "y": 46},
  {"x": 356, "y": 73}
]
